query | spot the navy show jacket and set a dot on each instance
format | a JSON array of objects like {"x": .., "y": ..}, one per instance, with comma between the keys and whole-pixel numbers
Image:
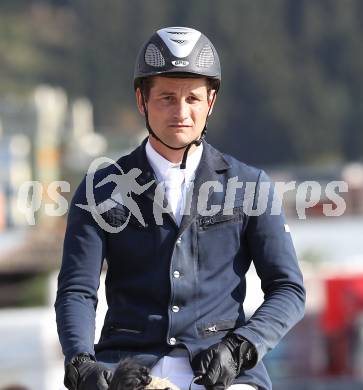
[{"x": 170, "y": 286}]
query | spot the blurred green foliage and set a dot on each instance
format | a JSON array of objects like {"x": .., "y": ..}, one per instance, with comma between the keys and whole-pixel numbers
[
  {"x": 24, "y": 289},
  {"x": 312, "y": 256},
  {"x": 34, "y": 291},
  {"x": 292, "y": 69}
]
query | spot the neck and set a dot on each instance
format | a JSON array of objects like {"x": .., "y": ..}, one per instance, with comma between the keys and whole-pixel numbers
[{"x": 174, "y": 156}]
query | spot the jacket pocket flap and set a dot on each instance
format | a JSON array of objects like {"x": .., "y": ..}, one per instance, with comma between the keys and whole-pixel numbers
[
  {"x": 232, "y": 215},
  {"x": 210, "y": 328}
]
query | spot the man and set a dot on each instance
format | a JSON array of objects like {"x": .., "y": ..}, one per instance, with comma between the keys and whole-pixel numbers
[{"x": 175, "y": 282}]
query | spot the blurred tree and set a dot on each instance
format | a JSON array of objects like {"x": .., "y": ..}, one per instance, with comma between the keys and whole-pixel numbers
[{"x": 292, "y": 81}]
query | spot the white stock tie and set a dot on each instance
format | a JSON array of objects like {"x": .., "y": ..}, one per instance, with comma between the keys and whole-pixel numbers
[{"x": 174, "y": 191}]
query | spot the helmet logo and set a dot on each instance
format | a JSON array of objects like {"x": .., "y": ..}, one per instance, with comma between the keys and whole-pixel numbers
[{"x": 180, "y": 63}]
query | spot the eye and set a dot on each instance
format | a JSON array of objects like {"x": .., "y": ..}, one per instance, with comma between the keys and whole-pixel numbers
[{"x": 193, "y": 99}]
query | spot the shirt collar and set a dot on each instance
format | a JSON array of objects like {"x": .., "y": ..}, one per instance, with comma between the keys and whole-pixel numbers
[{"x": 161, "y": 165}]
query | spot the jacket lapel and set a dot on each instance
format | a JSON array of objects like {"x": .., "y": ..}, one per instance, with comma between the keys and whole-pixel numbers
[
  {"x": 212, "y": 167},
  {"x": 139, "y": 160}
]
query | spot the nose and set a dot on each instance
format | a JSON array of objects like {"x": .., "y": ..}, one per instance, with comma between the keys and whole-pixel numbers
[{"x": 181, "y": 110}]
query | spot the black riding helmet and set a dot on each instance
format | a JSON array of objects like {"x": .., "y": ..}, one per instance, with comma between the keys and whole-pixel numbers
[{"x": 177, "y": 52}]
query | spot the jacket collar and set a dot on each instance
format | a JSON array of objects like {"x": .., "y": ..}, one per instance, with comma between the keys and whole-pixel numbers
[
  {"x": 212, "y": 161},
  {"x": 210, "y": 168}
]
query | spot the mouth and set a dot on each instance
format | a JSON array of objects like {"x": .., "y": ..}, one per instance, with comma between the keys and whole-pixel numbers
[{"x": 180, "y": 126}]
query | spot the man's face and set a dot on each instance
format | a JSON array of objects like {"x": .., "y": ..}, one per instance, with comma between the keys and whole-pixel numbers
[{"x": 177, "y": 108}]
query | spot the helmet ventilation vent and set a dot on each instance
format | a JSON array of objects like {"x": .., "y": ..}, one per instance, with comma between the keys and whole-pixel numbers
[
  {"x": 178, "y": 41},
  {"x": 205, "y": 57},
  {"x": 177, "y": 32},
  {"x": 153, "y": 56}
]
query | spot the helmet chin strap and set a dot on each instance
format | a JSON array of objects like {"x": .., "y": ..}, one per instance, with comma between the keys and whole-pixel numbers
[{"x": 196, "y": 141}]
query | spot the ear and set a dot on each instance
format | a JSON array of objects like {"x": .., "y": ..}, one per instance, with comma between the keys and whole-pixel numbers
[
  {"x": 139, "y": 101},
  {"x": 211, "y": 100}
]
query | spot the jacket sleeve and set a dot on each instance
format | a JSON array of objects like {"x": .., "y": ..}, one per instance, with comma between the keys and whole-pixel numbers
[
  {"x": 272, "y": 251},
  {"x": 79, "y": 278}
]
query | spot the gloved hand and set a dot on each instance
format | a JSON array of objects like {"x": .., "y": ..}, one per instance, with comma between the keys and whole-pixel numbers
[
  {"x": 84, "y": 373},
  {"x": 219, "y": 365}
]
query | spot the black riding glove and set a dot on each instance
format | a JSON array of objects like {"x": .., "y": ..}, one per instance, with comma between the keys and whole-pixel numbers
[
  {"x": 219, "y": 365},
  {"x": 84, "y": 373}
]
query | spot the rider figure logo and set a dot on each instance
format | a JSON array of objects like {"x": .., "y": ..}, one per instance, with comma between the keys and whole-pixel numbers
[{"x": 125, "y": 185}]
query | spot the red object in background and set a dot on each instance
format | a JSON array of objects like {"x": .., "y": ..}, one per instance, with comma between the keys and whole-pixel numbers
[{"x": 344, "y": 304}]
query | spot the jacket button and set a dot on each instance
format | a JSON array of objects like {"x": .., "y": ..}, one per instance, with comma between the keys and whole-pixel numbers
[
  {"x": 175, "y": 309},
  {"x": 176, "y": 274},
  {"x": 172, "y": 341},
  {"x": 178, "y": 241}
]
